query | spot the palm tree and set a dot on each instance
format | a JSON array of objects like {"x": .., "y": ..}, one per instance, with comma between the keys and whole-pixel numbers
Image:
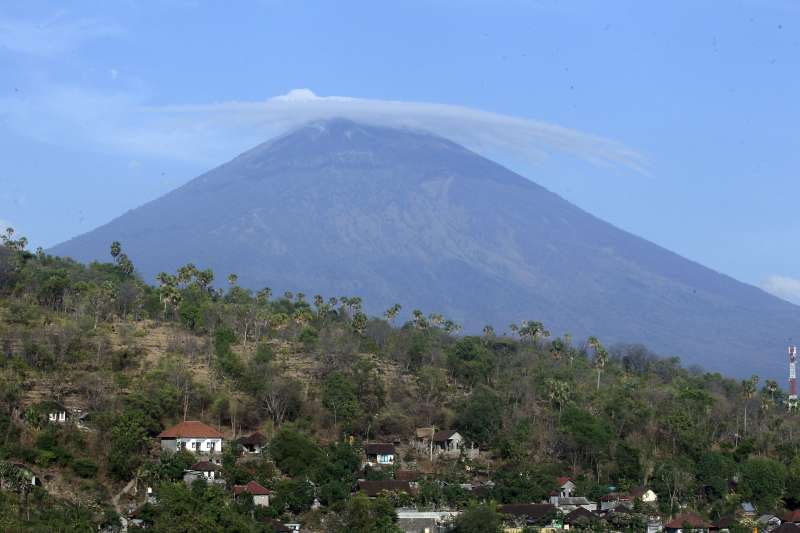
[
  {"x": 488, "y": 331},
  {"x": 558, "y": 393},
  {"x": 232, "y": 279},
  {"x": 600, "y": 356},
  {"x": 748, "y": 391},
  {"x": 772, "y": 387},
  {"x": 116, "y": 249},
  {"x": 392, "y": 312},
  {"x": 557, "y": 348}
]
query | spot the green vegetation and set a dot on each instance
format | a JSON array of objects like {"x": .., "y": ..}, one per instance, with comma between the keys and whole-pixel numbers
[{"x": 319, "y": 377}]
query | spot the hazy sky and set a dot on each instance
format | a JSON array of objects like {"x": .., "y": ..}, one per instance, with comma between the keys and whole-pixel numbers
[{"x": 677, "y": 121}]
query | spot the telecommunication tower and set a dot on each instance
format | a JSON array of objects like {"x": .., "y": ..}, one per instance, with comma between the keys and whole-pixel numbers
[{"x": 792, "y": 375}]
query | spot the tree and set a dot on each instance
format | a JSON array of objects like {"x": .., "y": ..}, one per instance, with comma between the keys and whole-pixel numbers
[
  {"x": 362, "y": 515},
  {"x": 531, "y": 330},
  {"x": 470, "y": 361},
  {"x": 128, "y": 441},
  {"x": 763, "y": 481},
  {"x": 340, "y": 395},
  {"x": 392, "y": 312},
  {"x": 481, "y": 416},
  {"x": 116, "y": 249},
  {"x": 748, "y": 391},
  {"x": 600, "y": 356},
  {"x": 295, "y": 453},
  {"x": 479, "y": 519},
  {"x": 558, "y": 392}
]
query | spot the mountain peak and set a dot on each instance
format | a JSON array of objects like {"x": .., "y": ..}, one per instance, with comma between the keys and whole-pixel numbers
[{"x": 397, "y": 215}]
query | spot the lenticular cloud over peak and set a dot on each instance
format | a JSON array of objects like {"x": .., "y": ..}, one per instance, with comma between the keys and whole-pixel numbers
[{"x": 481, "y": 130}]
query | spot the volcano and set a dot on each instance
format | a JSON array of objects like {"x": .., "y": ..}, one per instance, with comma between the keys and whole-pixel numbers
[{"x": 402, "y": 216}]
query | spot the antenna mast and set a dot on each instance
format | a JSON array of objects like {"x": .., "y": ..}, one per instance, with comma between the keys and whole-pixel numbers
[{"x": 792, "y": 376}]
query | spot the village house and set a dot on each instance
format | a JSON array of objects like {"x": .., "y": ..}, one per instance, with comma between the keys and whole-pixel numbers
[
  {"x": 253, "y": 443},
  {"x": 566, "y": 487},
  {"x": 528, "y": 514},
  {"x": 768, "y": 522},
  {"x": 413, "y": 521},
  {"x": 407, "y": 475},
  {"x": 374, "y": 488},
  {"x": 50, "y": 411},
  {"x": 193, "y": 436},
  {"x": 379, "y": 453},
  {"x": 644, "y": 495},
  {"x": 204, "y": 470},
  {"x": 259, "y": 493},
  {"x": 448, "y": 442},
  {"x": 579, "y": 517},
  {"x": 686, "y": 523}
]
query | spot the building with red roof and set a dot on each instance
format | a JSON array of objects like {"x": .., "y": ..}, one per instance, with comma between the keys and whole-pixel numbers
[
  {"x": 259, "y": 492},
  {"x": 191, "y": 435},
  {"x": 686, "y": 522}
]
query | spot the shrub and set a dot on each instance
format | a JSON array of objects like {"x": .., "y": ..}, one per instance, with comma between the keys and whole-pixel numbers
[{"x": 84, "y": 467}]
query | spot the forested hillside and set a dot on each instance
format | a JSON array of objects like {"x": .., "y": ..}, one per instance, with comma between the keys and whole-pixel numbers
[{"x": 319, "y": 378}]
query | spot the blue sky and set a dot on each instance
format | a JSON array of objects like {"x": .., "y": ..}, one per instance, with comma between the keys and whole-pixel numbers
[{"x": 676, "y": 121}]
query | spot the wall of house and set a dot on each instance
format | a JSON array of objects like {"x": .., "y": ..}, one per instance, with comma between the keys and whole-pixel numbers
[
  {"x": 203, "y": 445},
  {"x": 262, "y": 500}
]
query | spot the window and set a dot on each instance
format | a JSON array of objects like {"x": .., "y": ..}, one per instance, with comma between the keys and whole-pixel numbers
[
  {"x": 195, "y": 445},
  {"x": 212, "y": 445}
]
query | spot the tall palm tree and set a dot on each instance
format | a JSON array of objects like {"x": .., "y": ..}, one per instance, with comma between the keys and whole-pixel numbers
[
  {"x": 600, "y": 356},
  {"x": 557, "y": 348},
  {"x": 392, "y": 312},
  {"x": 748, "y": 391}
]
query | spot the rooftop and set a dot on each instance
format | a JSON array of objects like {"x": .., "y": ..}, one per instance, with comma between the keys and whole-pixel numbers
[
  {"x": 253, "y": 487},
  {"x": 190, "y": 429}
]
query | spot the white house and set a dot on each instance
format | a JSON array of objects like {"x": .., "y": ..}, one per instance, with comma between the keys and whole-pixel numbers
[
  {"x": 565, "y": 487},
  {"x": 379, "y": 453},
  {"x": 193, "y": 436},
  {"x": 259, "y": 493}
]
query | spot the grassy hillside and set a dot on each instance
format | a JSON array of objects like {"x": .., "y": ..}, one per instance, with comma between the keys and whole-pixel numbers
[{"x": 319, "y": 378}]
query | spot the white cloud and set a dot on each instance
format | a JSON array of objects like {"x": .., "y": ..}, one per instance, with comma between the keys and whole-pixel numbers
[
  {"x": 54, "y": 35},
  {"x": 783, "y": 287},
  {"x": 210, "y": 133}
]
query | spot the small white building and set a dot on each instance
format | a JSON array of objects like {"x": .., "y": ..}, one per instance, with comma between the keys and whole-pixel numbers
[
  {"x": 259, "y": 493},
  {"x": 193, "y": 436},
  {"x": 205, "y": 470}
]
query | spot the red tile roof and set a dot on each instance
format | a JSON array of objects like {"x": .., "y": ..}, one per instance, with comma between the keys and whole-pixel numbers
[
  {"x": 253, "y": 487},
  {"x": 191, "y": 429},
  {"x": 690, "y": 519},
  {"x": 563, "y": 480},
  {"x": 792, "y": 516}
]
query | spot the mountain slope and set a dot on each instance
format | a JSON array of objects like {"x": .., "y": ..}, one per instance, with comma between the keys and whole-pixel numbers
[{"x": 395, "y": 215}]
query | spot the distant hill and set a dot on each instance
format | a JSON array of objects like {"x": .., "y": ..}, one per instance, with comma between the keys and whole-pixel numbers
[{"x": 401, "y": 216}]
